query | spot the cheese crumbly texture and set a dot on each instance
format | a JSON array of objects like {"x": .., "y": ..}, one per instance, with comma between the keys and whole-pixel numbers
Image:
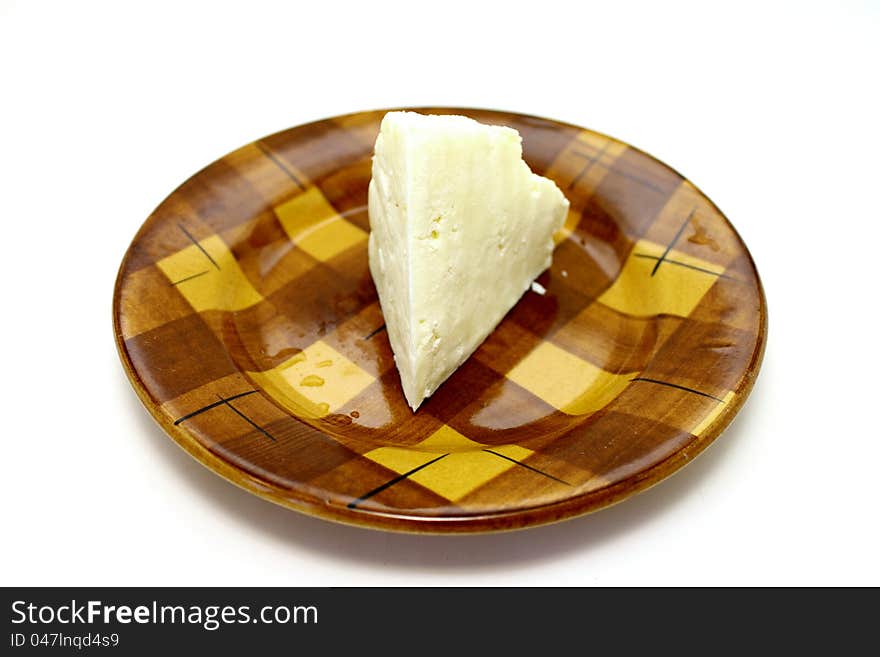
[{"x": 460, "y": 227}]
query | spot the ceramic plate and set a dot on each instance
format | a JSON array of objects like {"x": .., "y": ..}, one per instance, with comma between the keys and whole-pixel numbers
[{"x": 248, "y": 324}]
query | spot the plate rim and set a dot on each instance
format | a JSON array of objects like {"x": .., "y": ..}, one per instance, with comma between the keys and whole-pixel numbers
[{"x": 504, "y": 520}]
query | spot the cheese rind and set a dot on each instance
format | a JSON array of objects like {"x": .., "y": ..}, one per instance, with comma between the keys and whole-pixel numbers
[{"x": 460, "y": 227}]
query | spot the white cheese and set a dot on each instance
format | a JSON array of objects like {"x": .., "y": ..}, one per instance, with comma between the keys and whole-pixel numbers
[{"x": 460, "y": 227}]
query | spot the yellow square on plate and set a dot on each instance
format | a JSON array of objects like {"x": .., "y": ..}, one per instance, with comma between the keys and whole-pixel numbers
[
  {"x": 571, "y": 384},
  {"x": 208, "y": 276},
  {"x": 675, "y": 287},
  {"x": 315, "y": 382},
  {"x": 315, "y": 226},
  {"x": 464, "y": 466}
]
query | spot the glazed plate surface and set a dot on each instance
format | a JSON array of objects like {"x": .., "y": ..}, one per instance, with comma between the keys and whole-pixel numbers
[{"x": 250, "y": 328}]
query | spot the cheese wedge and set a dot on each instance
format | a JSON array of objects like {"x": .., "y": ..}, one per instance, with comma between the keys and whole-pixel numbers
[{"x": 460, "y": 227}]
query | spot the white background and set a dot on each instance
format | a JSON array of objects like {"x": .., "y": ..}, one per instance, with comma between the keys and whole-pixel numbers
[{"x": 770, "y": 108}]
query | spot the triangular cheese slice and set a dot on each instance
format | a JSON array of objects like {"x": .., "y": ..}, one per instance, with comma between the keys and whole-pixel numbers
[{"x": 460, "y": 227}]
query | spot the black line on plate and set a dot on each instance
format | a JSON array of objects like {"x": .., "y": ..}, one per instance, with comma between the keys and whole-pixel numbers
[
  {"x": 674, "y": 240},
  {"x": 636, "y": 179},
  {"x": 279, "y": 163},
  {"x": 675, "y": 385},
  {"x": 248, "y": 420},
  {"x": 389, "y": 484},
  {"x": 528, "y": 467},
  {"x": 683, "y": 264},
  {"x": 374, "y": 332},
  {"x": 591, "y": 160},
  {"x": 198, "y": 246},
  {"x": 189, "y": 278},
  {"x": 210, "y": 406},
  {"x": 613, "y": 169}
]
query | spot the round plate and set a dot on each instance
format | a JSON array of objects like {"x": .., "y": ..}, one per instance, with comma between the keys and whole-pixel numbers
[{"x": 248, "y": 323}]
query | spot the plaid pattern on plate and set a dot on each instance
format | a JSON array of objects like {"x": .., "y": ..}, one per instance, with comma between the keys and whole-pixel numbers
[{"x": 248, "y": 322}]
